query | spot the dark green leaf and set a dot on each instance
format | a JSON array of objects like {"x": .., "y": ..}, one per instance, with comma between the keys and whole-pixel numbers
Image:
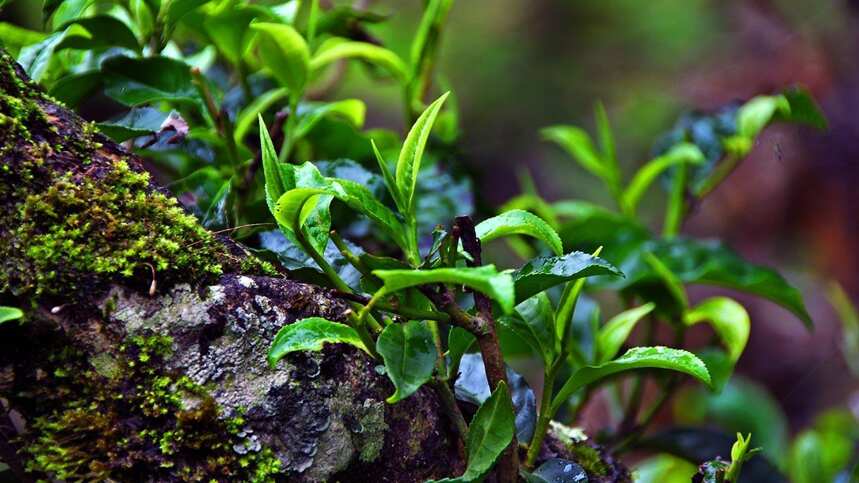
[
  {"x": 144, "y": 121},
  {"x": 533, "y": 320},
  {"x": 105, "y": 32},
  {"x": 177, "y": 9},
  {"x": 74, "y": 88},
  {"x": 217, "y": 215},
  {"x": 409, "y": 355},
  {"x": 803, "y": 109},
  {"x": 311, "y": 334},
  {"x": 485, "y": 279},
  {"x": 489, "y": 433},
  {"x": 459, "y": 341},
  {"x": 136, "y": 81},
  {"x": 519, "y": 222},
  {"x": 542, "y": 273}
]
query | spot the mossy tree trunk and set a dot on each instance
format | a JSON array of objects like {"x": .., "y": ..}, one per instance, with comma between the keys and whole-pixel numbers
[{"x": 143, "y": 353}]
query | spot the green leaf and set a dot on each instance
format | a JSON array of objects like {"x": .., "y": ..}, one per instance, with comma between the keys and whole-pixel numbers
[
  {"x": 275, "y": 186},
  {"x": 229, "y": 30},
  {"x": 542, "y": 273},
  {"x": 9, "y": 313},
  {"x": 64, "y": 11},
  {"x": 73, "y": 88},
  {"x": 410, "y": 356},
  {"x": 409, "y": 161},
  {"x": 362, "y": 200},
  {"x": 606, "y": 139},
  {"x": 615, "y": 332},
  {"x": 803, "y": 109},
  {"x": 291, "y": 212},
  {"x": 350, "y": 110},
  {"x": 519, "y": 222},
  {"x": 664, "y": 468},
  {"x": 335, "y": 49},
  {"x": 311, "y": 334},
  {"x": 137, "y": 81},
  {"x": 681, "y": 153},
  {"x": 390, "y": 182},
  {"x": 533, "y": 321},
  {"x": 578, "y": 144},
  {"x": 177, "y": 9},
  {"x": 485, "y": 279},
  {"x": 711, "y": 263},
  {"x": 635, "y": 358},
  {"x": 817, "y": 456},
  {"x": 489, "y": 433},
  {"x": 670, "y": 282},
  {"x": 36, "y": 58},
  {"x": 15, "y": 37},
  {"x": 754, "y": 115},
  {"x": 140, "y": 121},
  {"x": 728, "y": 318},
  {"x": 285, "y": 53},
  {"x": 105, "y": 31},
  {"x": 849, "y": 318},
  {"x": 459, "y": 341},
  {"x": 248, "y": 116}
]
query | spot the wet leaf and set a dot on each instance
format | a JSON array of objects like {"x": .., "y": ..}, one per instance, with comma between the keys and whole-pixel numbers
[
  {"x": 146, "y": 121},
  {"x": 635, "y": 358},
  {"x": 486, "y": 279},
  {"x": 557, "y": 470},
  {"x": 311, "y": 334},
  {"x": 542, "y": 273},
  {"x": 105, "y": 31},
  {"x": 409, "y": 355},
  {"x": 519, "y": 222}
]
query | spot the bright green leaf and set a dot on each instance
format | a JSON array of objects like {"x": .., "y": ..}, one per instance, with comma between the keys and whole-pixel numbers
[
  {"x": 349, "y": 110},
  {"x": 275, "y": 186},
  {"x": 578, "y": 144},
  {"x": 519, "y": 222},
  {"x": 485, "y": 279},
  {"x": 335, "y": 49},
  {"x": 728, "y": 318},
  {"x": 390, "y": 182},
  {"x": 681, "y": 153},
  {"x": 229, "y": 30},
  {"x": 36, "y": 58},
  {"x": 249, "y": 115},
  {"x": 410, "y": 356},
  {"x": 635, "y": 358},
  {"x": 754, "y": 115},
  {"x": 311, "y": 334},
  {"x": 285, "y": 53},
  {"x": 615, "y": 332},
  {"x": 177, "y": 9},
  {"x": 409, "y": 161},
  {"x": 10, "y": 313}
]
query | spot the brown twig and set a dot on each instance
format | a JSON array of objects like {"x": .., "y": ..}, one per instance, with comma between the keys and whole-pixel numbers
[{"x": 490, "y": 349}]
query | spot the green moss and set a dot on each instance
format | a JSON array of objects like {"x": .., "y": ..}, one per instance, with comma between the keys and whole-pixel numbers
[
  {"x": 588, "y": 458},
  {"x": 111, "y": 227},
  {"x": 144, "y": 424}
]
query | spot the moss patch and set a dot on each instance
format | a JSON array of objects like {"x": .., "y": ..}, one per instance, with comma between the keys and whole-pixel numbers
[
  {"x": 109, "y": 226},
  {"x": 143, "y": 425}
]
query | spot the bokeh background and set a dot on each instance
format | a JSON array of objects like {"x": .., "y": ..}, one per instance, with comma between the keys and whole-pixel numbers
[{"x": 519, "y": 65}]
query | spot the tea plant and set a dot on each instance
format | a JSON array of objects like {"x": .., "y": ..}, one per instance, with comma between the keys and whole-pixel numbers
[{"x": 192, "y": 81}]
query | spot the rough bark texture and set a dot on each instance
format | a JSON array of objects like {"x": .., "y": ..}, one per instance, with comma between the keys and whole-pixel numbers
[{"x": 107, "y": 380}]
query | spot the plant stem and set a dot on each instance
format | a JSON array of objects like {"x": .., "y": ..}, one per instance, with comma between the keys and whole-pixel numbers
[
  {"x": 676, "y": 209},
  {"x": 348, "y": 255},
  {"x": 545, "y": 416},
  {"x": 452, "y": 410},
  {"x": 490, "y": 348},
  {"x": 405, "y": 312}
]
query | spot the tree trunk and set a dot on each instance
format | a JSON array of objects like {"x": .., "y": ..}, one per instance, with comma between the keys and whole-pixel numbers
[{"x": 143, "y": 355}]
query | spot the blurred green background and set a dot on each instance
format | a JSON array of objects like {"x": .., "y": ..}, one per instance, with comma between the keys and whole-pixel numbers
[{"x": 519, "y": 65}]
